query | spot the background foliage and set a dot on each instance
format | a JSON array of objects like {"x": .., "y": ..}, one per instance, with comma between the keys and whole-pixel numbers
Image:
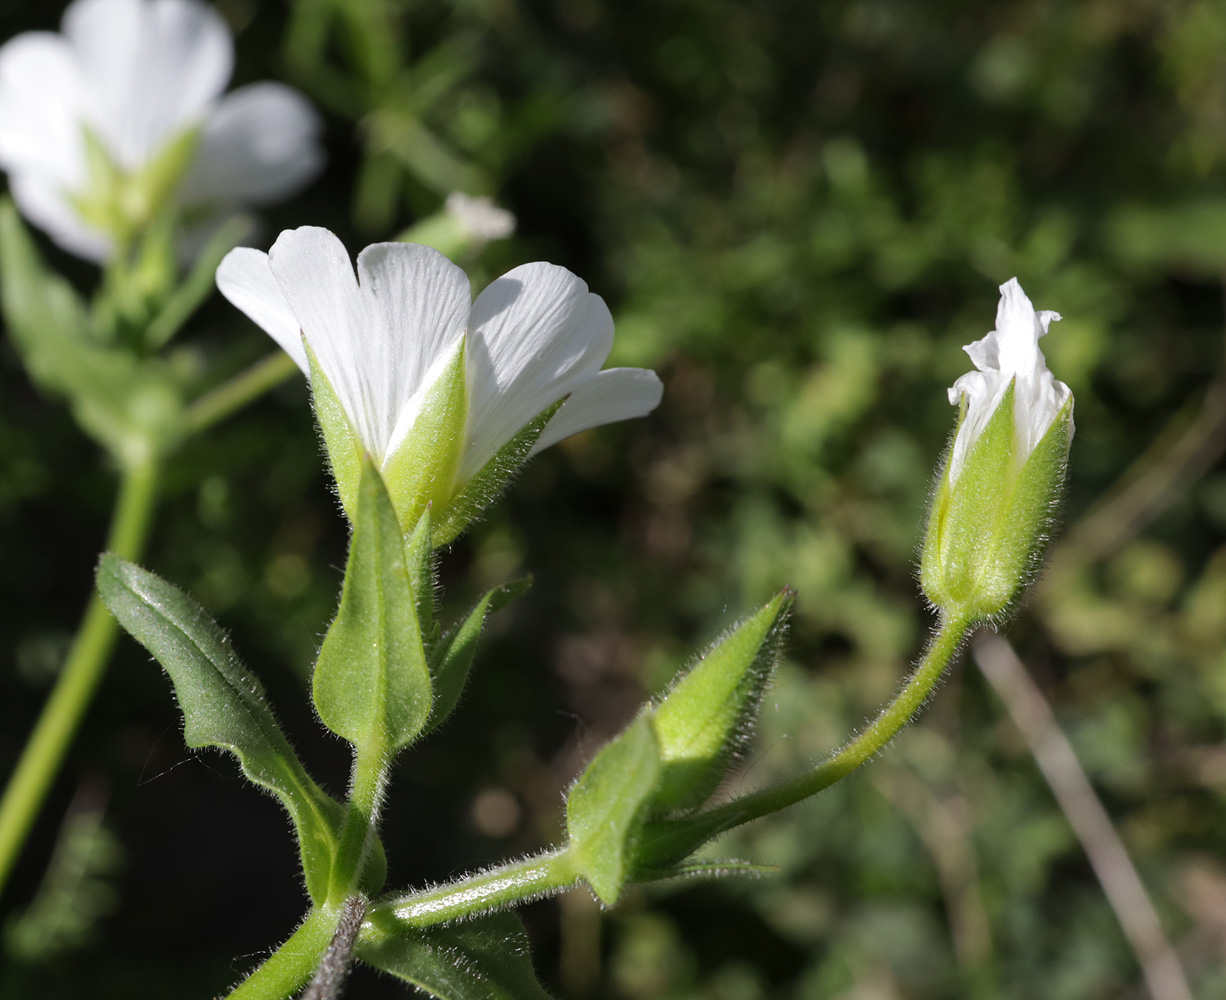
[{"x": 798, "y": 213}]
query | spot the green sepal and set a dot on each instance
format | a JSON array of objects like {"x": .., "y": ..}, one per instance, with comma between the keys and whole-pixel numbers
[
  {"x": 451, "y": 656},
  {"x": 130, "y": 406},
  {"x": 341, "y": 441},
  {"x": 607, "y": 806},
  {"x": 488, "y": 958},
  {"x": 424, "y": 466},
  {"x": 707, "y": 715},
  {"x": 371, "y": 684},
  {"x": 224, "y": 706},
  {"x": 419, "y": 556},
  {"x": 123, "y": 204},
  {"x": 987, "y": 530},
  {"x": 484, "y": 488}
]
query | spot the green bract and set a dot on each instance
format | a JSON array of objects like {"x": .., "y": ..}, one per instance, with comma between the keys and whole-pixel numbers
[
  {"x": 371, "y": 683},
  {"x": 709, "y": 712},
  {"x": 672, "y": 756}
]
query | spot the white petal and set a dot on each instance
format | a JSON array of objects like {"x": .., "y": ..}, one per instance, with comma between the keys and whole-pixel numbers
[
  {"x": 316, "y": 277},
  {"x": 534, "y": 334},
  {"x": 44, "y": 203},
  {"x": 1009, "y": 355},
  {"x": 608, "y": 396},
  {"x": 417, "y": 303},
  {"x": 261, "y": 143},
  {"x": 153, "y": 67},
  {"x": 245, "y": 278},
  {"x": 41, "y": 97}
]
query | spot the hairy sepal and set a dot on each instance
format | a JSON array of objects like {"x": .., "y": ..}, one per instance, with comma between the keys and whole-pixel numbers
[
  {"x": 423, "y": 468},
  {"x": 451, "y": 656},
  {"x": 486, "y": 486}
]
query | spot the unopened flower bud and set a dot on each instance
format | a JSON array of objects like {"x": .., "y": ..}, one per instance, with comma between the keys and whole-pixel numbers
[{"x": 995, "y": 496}]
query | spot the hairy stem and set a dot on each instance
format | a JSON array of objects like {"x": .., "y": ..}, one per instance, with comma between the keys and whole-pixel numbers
[
  {"x": 370, "y": 767},
  {"x": 74, "y": 690},
  {"x": 670, "y": 841},
  {"x": 329, "y": 978},
  {"x": 541, "y": 875}
]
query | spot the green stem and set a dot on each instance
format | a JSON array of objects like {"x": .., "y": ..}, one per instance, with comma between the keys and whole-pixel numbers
[
  {"x": 370, "y": 767},
  {"x": 670, "y": 841},
  {"x": 232, "y": 396},
  {"x": 289, "y": 967},
  {"x": 75, "y": 687},
  {"x": 532, "y": 878}
]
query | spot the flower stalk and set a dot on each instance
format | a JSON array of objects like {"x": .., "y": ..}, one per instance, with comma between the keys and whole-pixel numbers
[
  {"x": 83, "y": 670},
  {"x": 667, "y": 841}
]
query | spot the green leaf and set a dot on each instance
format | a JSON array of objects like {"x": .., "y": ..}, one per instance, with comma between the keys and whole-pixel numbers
[
  {"x": 223, "y": 705},
  {"x": 483, "y": 959},
  {"x": 708, "y": 713},
  {"x": 451, "y": 657},
  {"x": 128, "y": 405},
  {"x": 483, "y": 489},
  {"x": 607, "y": 805},
  {"x": 340, "y": 439},
  {"x": 371, "y": 683},
  {"x": 424, "y": 466}
]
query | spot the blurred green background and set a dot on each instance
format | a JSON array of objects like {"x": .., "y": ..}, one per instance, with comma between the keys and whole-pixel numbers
[{"x": 798, "y": 213}]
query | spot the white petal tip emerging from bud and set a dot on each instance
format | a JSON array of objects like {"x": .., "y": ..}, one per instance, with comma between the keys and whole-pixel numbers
[{"x": 1010, "y": 352}]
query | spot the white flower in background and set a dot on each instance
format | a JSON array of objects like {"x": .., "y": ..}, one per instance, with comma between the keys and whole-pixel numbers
[
  {"x": 102, "y": 123},
  {"x": 480, "y": 218},
  {"x": 384, "y": 337},
  {"x": 1009, "y": 355}
]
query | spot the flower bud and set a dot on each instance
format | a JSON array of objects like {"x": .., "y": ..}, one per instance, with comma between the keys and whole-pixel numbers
[{"x": 996, "y": 494}]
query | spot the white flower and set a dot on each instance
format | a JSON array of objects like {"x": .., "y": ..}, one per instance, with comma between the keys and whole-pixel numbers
[
  {"x": 139, "y": 75},
  {"x": 382, "y": 338},
  {"x": 1009, "y": 355},
  {"x": 480, "y": 218}
]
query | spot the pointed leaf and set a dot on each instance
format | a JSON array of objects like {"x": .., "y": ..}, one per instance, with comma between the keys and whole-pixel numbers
[
  {"x": 452, "y": 656},
  {"x": 483, "y": 959},
  {"x": 424, "y": 465},
  {"x": 607, "y": 805},
  {"x": 483, "y": 489},
  {"x": 371, "y": 683},
  {"x": 708, "y": 713},
  {"x": 223, "y": 705}
]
